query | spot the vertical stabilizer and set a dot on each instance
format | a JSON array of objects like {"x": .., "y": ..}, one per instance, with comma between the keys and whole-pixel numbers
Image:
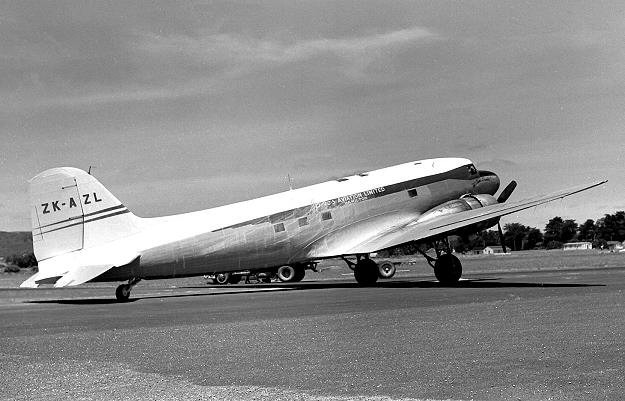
[{"x": 71, "y": 210}]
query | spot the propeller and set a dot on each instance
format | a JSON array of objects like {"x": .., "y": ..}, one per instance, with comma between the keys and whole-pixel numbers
[
  {"x": 503, "y": 196},
  {"x": 507, "y": 191}
]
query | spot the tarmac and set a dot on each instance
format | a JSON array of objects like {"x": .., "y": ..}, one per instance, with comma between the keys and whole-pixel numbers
[{"x": 542, "y": 335}]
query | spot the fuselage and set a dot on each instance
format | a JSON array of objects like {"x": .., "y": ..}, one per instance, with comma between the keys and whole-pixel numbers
[{"x": 298, "y": 225}]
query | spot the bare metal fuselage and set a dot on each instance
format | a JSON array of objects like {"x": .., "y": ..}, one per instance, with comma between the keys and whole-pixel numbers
[{"x": 296, "y": 235}]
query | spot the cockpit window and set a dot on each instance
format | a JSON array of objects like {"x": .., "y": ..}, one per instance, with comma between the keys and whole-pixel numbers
[{"x": 472, "y": 169}]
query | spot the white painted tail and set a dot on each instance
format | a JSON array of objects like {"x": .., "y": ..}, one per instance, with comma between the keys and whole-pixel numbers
[{"x": 71, "y": 210}]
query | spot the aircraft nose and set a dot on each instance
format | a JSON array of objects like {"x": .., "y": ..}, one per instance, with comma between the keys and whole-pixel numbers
[{"x": 488, "y": 183}]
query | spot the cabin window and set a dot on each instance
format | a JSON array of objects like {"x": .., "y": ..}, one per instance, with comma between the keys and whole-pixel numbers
[
  {"x": 278, "y": 227},
  {"x": 472, "y": 170},
  {"x": 363, "y": 174},
  {"x": 412, "y": 192},
  {"x": 342, "y": 179},
  {"x": 303, "y": 221},
  {"x": 326, "y": 216}
]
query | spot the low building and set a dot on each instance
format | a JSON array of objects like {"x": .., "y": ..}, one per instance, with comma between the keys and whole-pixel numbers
[
  {"x": 490, "y": 250},
  {"x": 615, "y": 246},
  {"x": 572, "y": 246}
]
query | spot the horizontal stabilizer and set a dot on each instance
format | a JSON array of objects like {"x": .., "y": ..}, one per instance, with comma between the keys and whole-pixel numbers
[{"x": 78, "y": 267}]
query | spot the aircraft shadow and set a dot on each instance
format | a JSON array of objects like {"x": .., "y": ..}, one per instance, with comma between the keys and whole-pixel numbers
[
  {"x": 81, "y": 301},
  {"x": 316, "y": 285},
  {"x": 472, "y": 283}
]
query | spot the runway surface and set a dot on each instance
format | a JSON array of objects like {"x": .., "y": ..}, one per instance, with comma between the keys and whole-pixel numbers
[{"x": 532, "y": 335}]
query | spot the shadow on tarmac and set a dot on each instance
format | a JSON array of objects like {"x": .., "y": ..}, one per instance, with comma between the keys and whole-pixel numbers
[
  {"x": 315, "y": 285},
  {"x": 84, "y": 301},
  {"x": 472, "y": 283}
]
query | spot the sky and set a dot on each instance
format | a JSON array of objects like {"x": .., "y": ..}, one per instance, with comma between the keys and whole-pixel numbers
[{"x": 182, "y": 106}]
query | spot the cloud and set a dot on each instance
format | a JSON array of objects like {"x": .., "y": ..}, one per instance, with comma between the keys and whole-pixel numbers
[
  {"x": 175, "y": 65},
  {"x": 215, "y": 48}
]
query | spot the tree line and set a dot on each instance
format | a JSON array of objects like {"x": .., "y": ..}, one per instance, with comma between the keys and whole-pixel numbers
[{"x": 558, "y": 231}]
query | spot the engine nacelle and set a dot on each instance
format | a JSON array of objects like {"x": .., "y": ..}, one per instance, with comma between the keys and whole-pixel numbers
[{"x": 465, "y": 203}]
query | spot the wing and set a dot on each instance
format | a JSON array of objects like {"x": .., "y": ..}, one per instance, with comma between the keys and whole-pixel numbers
[{"x": 411, "y": 230}]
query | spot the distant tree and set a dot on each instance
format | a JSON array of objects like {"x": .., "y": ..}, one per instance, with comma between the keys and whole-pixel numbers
[
  {"x": 558, "y": 230},
  {"x": 587, "y": 231},
  {"x": 569, "y": 230},
  {"x": 553, "y": 230},
  {"x": 514, "y": 235},
  {"x": 22, "y": 261},
  {"x": 534, "y": 238},
  {"x": 482, "y": 239},
  {"x": 519, "y": 237},
  {"x": 553, "y": 244},
  {"x": 611, "y": 227},
  {"x": 485, "y": 238}
]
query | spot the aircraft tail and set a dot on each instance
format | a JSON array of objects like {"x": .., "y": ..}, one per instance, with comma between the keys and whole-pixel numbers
[{"x": 71, "y": 211}]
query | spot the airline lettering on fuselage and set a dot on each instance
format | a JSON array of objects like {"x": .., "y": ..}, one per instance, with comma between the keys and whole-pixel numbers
[
  {"x": 57, "y": 205},
  {"x": 353, "y": 198}
]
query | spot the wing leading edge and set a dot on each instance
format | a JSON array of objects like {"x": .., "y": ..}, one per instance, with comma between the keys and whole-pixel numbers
[{"x": 414, "y": 231}]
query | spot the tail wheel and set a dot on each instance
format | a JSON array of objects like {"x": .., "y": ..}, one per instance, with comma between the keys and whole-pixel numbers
[
  {"x": 448, "y": 269},
  {"x": 286, "y": 273},
  {"x": 366, "y": 272},
  {"x": 222, "y": 278},
  {"x": 386, "y": 269}
]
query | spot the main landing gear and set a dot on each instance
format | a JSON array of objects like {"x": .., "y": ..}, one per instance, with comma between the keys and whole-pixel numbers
[
  {"x": 447, "y": 267},
  {"x": 365, "y": 270},
  {"x": 122, "y": 293},
  {"x": 291, "y": 273}
]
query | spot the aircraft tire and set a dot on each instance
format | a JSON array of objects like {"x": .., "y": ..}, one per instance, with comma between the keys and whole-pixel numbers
[
  {"x": 386, "y": 269},
  {"x": 122, "y": 292},
  {"x": 222, "y": 278},
  {"x": 300, "y": 273},
  {"x": 366, "y": 272},
  {"x": 286, "y": 273},
  {"x": 448, "y": 269}
]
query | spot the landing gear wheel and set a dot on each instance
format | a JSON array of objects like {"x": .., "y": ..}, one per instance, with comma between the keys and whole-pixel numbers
[
  {"x": 300, "y": 272},
  {"x": 122, "y": 293},
  {"x": 222, "y": 278},
  {"x": 366, "y": 272},
  {"x": 386, "y": 269},
  {"x": 448, "y": 269},
  {"x": 286, "y": 274}
]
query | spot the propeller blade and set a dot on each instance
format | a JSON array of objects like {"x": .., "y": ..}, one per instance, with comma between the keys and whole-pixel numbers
[
  {"x": 507, "y": 191},
  {"x": 501, "y": 241}
]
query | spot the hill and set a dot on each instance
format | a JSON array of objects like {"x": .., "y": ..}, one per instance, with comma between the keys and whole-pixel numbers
[{"x": 15, "y": 243}]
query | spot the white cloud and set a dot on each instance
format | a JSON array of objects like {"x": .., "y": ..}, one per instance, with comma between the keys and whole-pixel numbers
[
  {"x": 228, "y": 56},
  {"x": 225, "y": 47},
  {"x": 177, "y": 65}
]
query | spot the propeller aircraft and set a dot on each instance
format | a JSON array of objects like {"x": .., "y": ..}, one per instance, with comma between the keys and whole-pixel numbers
[{"x": 82, "y": 233}]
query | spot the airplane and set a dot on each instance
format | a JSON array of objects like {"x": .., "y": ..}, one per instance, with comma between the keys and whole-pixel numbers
[{"x": 82, "y": 233}]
